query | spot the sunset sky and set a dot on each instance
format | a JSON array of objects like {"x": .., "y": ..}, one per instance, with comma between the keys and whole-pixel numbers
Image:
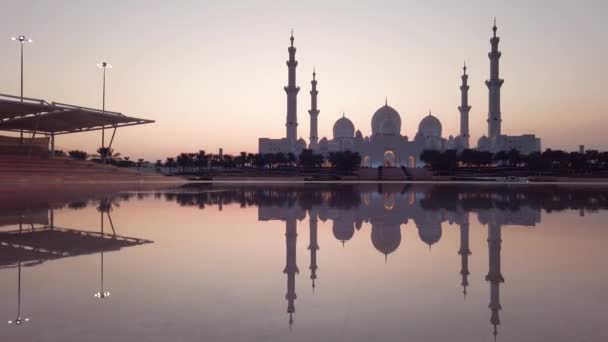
[{"x": 211, "y": 73}]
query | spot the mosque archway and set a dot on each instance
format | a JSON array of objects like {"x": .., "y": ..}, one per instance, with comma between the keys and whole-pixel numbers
[
  {"x": 389, "y": 159},
  {"x": 366, "y": 162},
  {"x": 411, "y": 162}
]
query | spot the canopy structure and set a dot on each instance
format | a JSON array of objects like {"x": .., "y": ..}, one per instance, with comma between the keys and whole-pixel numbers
[{"x": 38, "y": 116}]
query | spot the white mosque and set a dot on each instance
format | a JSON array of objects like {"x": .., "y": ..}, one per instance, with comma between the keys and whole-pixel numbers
[{"x": 386, "y": 146}]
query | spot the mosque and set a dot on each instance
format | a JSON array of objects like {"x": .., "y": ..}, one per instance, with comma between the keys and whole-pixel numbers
[{"x": 386, "y": 146}]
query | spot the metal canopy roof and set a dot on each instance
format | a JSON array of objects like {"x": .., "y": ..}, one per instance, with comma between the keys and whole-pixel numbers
[{"x": 39, "y": 116}]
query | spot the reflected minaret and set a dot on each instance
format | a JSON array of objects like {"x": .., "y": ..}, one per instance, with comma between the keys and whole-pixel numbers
[
  {"x": 494, "y": 84},
  {"x": 464, "y": 108},
  {"x": 291, "y": 267},
  {"x": 494, "y": 274},
  {"x": 313, "y": 247},
  {"x": 314, "y": 113},
  {"x": 292, "y": 96},
  {"x": 464, "y": 253}
]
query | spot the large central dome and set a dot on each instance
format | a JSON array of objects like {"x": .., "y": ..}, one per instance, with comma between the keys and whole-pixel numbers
[{"x": 389, "y": 114}]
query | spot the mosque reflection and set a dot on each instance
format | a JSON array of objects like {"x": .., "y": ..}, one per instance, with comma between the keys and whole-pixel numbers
[
  {"x": 388, "y": 206},
  {"x": 384, "y": 207},
  {"x": 37, "y": 239}
]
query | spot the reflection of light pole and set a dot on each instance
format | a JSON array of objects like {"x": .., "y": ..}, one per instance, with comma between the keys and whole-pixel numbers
[
  {"x": 22, "y": 40},
  {"x": 104, "y": 66},
  {"x": 19, "y": 320},
  {"x": 102, "y": 293}
]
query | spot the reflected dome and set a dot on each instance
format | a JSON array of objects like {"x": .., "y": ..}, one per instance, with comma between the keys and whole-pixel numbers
[
  {"x": 386, "y": 239},
  {"x": 343, "y": 230}
]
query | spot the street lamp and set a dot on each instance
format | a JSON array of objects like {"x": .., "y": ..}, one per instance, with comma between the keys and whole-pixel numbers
[
  {"x": 22, "y": 40},
  {"x": 104, "y": 66}
]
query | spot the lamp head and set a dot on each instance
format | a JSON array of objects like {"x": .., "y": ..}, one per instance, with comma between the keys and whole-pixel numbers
[{"x": 22, "y": 39}]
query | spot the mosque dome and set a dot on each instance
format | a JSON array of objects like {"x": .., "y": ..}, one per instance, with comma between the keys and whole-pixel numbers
[
  {"x": 483, "y": 142},
  {"x": 381, "y": 115},
  {"x": 389, "y": 127},
  {"x": 386, "y": 239},
  {"x": 430, "y": 126},
  {"x": 344, "y": 128},
  {"x": 301, "y": 143}
]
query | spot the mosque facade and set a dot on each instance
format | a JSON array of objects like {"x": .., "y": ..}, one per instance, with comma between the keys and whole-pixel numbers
[{"x": 386, "y": 146}]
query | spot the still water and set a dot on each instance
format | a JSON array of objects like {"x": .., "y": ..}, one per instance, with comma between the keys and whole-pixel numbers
[{"x": 367, "y": 262}]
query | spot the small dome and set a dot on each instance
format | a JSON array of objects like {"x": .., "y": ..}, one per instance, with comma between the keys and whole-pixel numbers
[
  {"x": 483, "y": 142},
  {"x": 430, "y": 126},
  {"x": 358, "y": 134},
  {"x": 429, "y": 233},
  {"x": 381, "y": 115},
  {"x": 343, "y": 230},
  {"x": 344, "y": 128}
]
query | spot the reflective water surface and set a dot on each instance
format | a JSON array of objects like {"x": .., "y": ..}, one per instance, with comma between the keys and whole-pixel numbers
[{"x": 367, "y": 262}]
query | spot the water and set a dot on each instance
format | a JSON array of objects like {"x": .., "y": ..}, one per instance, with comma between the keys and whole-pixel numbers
[{"x": 306, "y": 263}]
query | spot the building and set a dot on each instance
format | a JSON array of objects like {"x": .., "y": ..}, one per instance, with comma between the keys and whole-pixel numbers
[
  {"x": 289, "y": 144},
  {"x": 386, "y": 146},
  {"x": 496, "y": 141}
]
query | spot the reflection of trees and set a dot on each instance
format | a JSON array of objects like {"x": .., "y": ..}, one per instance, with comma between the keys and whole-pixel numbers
[
  {"x": 513, "y": 197},
  {"x": 450, "y": 197}
]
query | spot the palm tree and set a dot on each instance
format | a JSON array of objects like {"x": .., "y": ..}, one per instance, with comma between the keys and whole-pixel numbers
[
  {"x": 170, "y": 162},
  {"x": 202, "y": 159},
  {"x": 107, "y": 155},
  {"x": 291, "y": 159},
  {"x": 243, "y": 159}
]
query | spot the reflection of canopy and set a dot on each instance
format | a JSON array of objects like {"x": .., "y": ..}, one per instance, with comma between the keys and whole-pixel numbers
[
  {"x": 42, "y": 244},
  {"x": 34, "y": 115}
]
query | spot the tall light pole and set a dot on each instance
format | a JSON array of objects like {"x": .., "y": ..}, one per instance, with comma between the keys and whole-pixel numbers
[
  {"x": 104, "y": 66},
  {"x": 22, "y": 40}
]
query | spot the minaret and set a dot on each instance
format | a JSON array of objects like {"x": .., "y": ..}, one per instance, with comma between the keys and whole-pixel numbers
[
  {"x": 314, "y": 113},
  {"x": 494, "y": 84},
  {"x": 464, "y": 108},
  {"x": 313, "y": 247},
  {"x": 464, "y": 253},
  {"x": 494, "y": 274},
  {"x": 292, "y": 96},
  {"x": 291, "y": 268}
]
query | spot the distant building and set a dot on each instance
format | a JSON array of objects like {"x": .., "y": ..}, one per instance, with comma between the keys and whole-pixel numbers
[{"x": 386, "y": 146}]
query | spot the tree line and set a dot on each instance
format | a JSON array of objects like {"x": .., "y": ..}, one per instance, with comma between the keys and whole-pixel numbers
[{"x": 346, "y": 161}]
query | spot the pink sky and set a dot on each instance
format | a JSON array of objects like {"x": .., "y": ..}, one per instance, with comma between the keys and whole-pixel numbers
[{"x": 211, "y": 73}]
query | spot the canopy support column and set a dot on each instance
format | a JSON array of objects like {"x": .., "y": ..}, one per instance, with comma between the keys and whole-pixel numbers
[
  {"x": 52, "y": 151},
  {"x": 109, "y": 145}
]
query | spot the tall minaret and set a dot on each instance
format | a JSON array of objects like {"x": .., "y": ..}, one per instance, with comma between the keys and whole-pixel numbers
[
  {"x": 464, "y": 253},
  {"x": 494, "y": 84},
  {"x": 313, "y": 247},
  {"x": 464, "y": 108},
  {"x": 314, "y": 112},
  {"x": 291, "y": 267},
  {"x": 292, "y": 96},
  {"x": 494, "y": 274}
]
